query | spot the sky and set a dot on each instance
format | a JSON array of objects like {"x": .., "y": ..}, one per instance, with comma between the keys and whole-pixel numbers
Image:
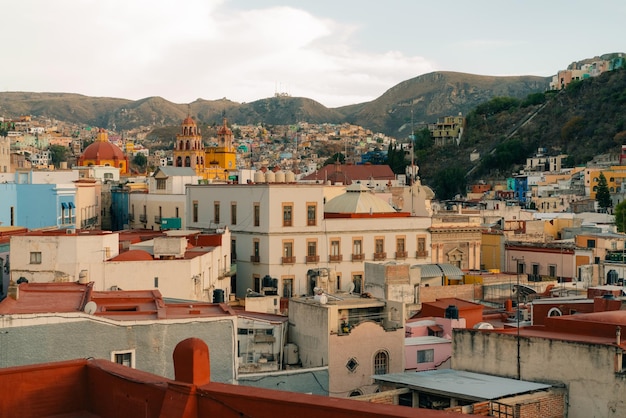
[{"x": 337, "y": 52}]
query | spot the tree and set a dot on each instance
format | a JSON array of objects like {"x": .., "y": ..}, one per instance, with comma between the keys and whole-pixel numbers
[
  {"x": 449, "y": 182},
  {"x": 58, "y": 154},
  {"x": 140, "y": 161},
  {"x": 603, "y": 196},
  {"x": 334, "y": 158},
  {"x": 620, "y": 216}
]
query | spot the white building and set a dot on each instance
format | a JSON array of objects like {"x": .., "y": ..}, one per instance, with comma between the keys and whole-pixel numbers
[
  {"x": 286, "y": 231},
  {"x": 164, "y": 263},
  {"x": 165, "y": 198}
]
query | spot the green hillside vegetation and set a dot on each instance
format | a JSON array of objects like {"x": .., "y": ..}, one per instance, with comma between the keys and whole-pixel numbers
[{"x": 586, "y": 119}]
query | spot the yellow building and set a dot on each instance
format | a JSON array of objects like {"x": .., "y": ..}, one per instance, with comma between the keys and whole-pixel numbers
[
  {"x": 221, "y": 160},
  {"x": 210, "y": 163},
  {"x": 102, "y": 152},
  {"x": 615, "y": 176}
]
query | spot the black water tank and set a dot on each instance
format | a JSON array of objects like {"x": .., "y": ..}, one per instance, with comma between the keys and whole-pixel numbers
[
  {"x": 218, "y": 296},
  {"x": 267, "y": 281},
  {"x": 612, "y": 277},
  {"x": 452, "y": 312}
]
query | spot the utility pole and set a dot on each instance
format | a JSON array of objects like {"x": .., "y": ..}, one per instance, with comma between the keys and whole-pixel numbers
[{"x": 517, "y": 315}]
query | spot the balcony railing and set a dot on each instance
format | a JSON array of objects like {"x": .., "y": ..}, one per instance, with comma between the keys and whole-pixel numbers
[
  {"x": 288, "y": 260},
  {"x": 335, "y": 258},
  {"x": 157, "y": 219},
  {"x": 421, "y": 254},
  {"x": 380, "y": 256},
  {"x": 255, "y": 258},
  {"x": 131, "y": 217},
  {"x": 89, "y": 222},
  {"x": 358, "y": 257},
  {"x": 312, "y": 258},
  {"x": 401, "y": 255},
  {"x": 143, "y": 218}
]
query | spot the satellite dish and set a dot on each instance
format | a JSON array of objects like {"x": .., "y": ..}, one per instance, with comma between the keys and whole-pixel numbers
[{"x": 90, "y": 307}]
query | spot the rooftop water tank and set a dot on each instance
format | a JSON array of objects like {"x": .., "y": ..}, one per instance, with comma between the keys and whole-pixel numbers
[
  {"x": 259, "y": 177},
  {"x": 290, "y": 177},
  {"x": 280, "y": 176},
  {"x": 452, "y": 312},
  {"x": 270, "y": 177}
]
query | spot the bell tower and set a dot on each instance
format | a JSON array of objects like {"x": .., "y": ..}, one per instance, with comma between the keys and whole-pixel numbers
[{"x": 188, "y": 149}]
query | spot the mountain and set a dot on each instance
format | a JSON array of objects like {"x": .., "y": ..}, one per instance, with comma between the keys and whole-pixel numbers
[{"x": 425, "y": 98}]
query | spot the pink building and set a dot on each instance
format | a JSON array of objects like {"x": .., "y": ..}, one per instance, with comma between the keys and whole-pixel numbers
[{"x": 428, "y": 344}]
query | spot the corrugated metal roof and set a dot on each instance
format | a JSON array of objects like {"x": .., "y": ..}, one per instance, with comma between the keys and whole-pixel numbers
[
  {"x": 461, "y": 384},
  {"x": 436, "y": 270}
]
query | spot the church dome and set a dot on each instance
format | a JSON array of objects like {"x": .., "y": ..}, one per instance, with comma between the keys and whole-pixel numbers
[
  {"x": 358, "y": 199},
  {"x": 102, "y": 149}
]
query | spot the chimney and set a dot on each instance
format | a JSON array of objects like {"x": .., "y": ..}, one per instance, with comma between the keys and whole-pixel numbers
[{"x": 13, "y": 291}]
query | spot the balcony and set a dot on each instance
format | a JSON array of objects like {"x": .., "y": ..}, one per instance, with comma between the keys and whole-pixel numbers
[
  {"x": 380, "y": 256},
  {"x": 231, "y": 271},
  {"x": 311, "y": 222},
  {"x": 421, "y": 254},
  {"x": 335, "y": 258},
  {"x": 157, "y": 219},
  {"x": 401, "y": 255},
  {"x": 87, "y": 223},
  {"x": 288, "y": 260},
  {"x": 358, "y": 257},
  {"x": 143, "y": 218},
  {"x": 131, "y": 217},
  {"x": 312, "y": 258},
  {"x": 255, "y": 259}
]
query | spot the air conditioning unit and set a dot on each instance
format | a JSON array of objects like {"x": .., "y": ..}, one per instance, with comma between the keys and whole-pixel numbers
[{"x": 70, "y": 231}]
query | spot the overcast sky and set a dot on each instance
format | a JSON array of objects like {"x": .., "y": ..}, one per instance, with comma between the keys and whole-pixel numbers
[{"x": 336, "y": 52}]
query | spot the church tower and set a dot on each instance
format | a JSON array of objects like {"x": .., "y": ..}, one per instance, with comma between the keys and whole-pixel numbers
[
  {"x": 222, "y": 159},
  {"x": 188, "y": 150}
]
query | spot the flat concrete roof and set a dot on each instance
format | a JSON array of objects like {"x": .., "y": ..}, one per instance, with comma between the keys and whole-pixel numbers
[
  {"x": 461, "y": 384},
  {"x": 425, "y": 340}
]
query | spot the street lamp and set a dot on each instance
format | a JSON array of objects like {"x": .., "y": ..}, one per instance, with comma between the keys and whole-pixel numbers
[{"x": 517, "y": 315}]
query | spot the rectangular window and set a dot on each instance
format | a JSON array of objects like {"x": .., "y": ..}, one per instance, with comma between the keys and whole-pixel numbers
[
  {"x": 335, "y": 250},
  {"x": 311, "y": 214},
  {"x": 177, "y": 215},
  {"x": 379, "y": 249},
  {"x": 311, "y": 251},
  {"x": 421, "y": 247},
  {"x": 257, "y": 283},
  {"x": 288, "y": 257},
  {"x": 233, "y": 249},
  {"x": 160, "y": 184},
  {"x": 357, "y": 249},
  {"x": 287, "y": 214},
  {"x": 357, "y": 280},
  {"x": 591, "y": 243},
  {"x": 552, "y": 270},
  {"x": 257, "y": 215},
  {"x": 233, "y": 213},
  {"x": 287, "y": 287},
  {"x": 400, "y": 247},
  {"x": 125, "y": 358},
  {"x": 35, "y": 257},
  {"x": 156, "y": 282},
  {"x": 195, "y": 211},
  {"x": 426, "y": 356},
  {"x": 256, "y": 251},
  {"x": 535, "y": 268},
  {"x": 216, "y": 212}
]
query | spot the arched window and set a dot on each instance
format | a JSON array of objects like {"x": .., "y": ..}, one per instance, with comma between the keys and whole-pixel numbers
[
  {"x": 555, "y": 312},
  {"x": 187, "y": 161},
  {"x": 179, "y": 162},
  {"x": 355, "y": 392},
  {"x": 381, "y": 363},
  {"x": 188, "y": 146}
]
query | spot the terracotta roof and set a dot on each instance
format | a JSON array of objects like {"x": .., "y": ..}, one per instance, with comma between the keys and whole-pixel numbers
[
  {"x": 133, "y": 255},
  {"x": 188, "y": 121},
  {"x": 348, "y": 174}
]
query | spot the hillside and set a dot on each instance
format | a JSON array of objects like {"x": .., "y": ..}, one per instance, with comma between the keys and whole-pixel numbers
[
  {"x": 428, "y": 96},
  {"x": 586, "y": 119}
]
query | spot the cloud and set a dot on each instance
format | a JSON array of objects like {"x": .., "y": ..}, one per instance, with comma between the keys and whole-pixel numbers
[{"x": 199, "y": 48}]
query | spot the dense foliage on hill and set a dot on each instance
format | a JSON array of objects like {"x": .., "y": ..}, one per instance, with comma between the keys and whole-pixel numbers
[{"x": 586, "y": 119}]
